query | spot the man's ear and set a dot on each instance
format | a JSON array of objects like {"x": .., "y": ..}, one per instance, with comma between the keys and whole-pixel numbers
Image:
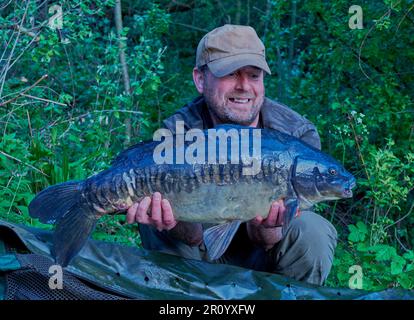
[{"x": 198, "y": 78}]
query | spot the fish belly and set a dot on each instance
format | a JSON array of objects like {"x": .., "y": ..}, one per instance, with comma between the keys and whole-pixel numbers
[{"x": 212, "y": 203}]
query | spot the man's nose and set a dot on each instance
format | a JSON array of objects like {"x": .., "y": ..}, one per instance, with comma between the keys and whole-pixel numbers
[{"x": 242, "y": 82}]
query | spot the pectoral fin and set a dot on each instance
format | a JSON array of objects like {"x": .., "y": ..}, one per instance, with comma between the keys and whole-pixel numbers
[
  {"x": 291, "y": 205},
  {"x": 218, "y": 238}
]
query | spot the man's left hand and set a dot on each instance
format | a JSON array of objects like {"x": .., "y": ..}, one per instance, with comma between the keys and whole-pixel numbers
[
  {"x": 268, "y": 231},
  {"x": 275, "y": 217}
]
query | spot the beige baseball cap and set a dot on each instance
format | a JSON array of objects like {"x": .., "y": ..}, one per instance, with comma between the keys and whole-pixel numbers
[{"x": 231, "y": 47}]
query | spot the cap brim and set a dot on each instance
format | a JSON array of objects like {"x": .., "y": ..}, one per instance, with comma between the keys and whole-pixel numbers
[{"x": 224, "y": 66}]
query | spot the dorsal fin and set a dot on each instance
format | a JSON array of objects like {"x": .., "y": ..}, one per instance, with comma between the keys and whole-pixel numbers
[{"x": 133, "y": 151}]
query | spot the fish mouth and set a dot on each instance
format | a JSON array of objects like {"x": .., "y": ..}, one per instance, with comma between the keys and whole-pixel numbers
[{"x": 347, "y": 193}]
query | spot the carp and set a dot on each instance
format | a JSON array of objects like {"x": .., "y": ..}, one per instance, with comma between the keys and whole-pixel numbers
[{"x": 214, "y": 192}]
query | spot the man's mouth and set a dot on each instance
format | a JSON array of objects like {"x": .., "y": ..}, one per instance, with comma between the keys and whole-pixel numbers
[{"x": 240, "y": 100}]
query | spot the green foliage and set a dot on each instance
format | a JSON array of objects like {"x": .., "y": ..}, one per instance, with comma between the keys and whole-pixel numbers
[
  {"x": 356, "y": 86},
  {"x": 382, "y": 267},
  {"x": 358, "y": 232},
  {"x": 74, "y": 122}
]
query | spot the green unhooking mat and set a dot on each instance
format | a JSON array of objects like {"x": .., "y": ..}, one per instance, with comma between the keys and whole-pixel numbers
[{"x": 110, "y": 271}]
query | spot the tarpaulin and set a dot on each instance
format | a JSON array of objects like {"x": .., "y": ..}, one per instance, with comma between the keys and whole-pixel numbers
[{"x": 119, "y": 271}]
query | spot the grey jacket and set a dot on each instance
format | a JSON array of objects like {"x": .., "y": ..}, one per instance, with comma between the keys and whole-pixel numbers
[{"x": 273, "y": 115}]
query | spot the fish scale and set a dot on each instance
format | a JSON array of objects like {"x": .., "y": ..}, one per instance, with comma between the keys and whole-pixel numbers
[{"x": 208, "y": 193}]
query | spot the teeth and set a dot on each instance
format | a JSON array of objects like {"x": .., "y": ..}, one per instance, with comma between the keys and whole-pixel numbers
[{"x": 240, "y": 100}]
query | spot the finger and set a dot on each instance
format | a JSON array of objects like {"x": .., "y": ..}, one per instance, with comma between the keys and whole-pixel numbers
[
  {"x": 167, "y": 215},
  {"x": 156, "y": 210},
  {"x": 142, "y": 215},
  {"x": 281, "y": 216},
  {"x": 272, "y": 217},
  {"x": 282, "y": 206},
  {"x": 257, "y": 220},
  {"x": 130, "y": 216}
]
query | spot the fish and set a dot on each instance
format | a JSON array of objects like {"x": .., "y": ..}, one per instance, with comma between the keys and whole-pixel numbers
[{"x": 217, "y": 189}]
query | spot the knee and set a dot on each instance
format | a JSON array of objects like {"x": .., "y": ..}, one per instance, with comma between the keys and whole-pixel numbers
[
  {"x": 311, "y": 243},
  {"x": 313, "y": 228},
  {"x": 314, "y": 233}
]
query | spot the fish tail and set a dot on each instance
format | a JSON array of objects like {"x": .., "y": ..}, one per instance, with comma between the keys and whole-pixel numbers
[
  {"x": 75, "y": 220},
  {"x": 53, "y": 202},
  {"x": 71, "y": 233}
]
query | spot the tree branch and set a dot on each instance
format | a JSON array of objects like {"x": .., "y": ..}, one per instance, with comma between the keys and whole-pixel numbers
[
  {"x": 122, "y": 59},
  {"x": 21, "y": 93}
]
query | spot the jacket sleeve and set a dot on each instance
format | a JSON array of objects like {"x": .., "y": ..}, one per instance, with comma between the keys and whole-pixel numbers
[{"x": 309, "y": 134}]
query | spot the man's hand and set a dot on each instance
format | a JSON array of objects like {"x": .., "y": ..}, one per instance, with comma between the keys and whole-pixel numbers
[
  {"x": 275, "y": 217},
  {"x": 268, "y": 231},
  {"x": 160, "y": 215},
  {"x": 158, "y": 212}
]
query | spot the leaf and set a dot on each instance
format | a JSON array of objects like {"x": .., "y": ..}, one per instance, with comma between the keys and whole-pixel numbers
[
  {"x": 357, "y": 233},
  {"x": 397, "y": 265},
  {"x": 362, "y": 247},
  {"x": 24, "y": 210},
  {"x": 335, "y": 106},
  {"x": 405, "y": 281},
  {"x": 362, "y": 227},
  {"x": 383, "y": 252},
  {"x": 409, "y": 255},
  {"x": 410, "y": 267}
]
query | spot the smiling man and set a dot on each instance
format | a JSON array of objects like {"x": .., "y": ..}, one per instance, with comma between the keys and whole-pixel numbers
[
  {"x": 229, "y": 73},
  {"x": 233, "y": 98}
]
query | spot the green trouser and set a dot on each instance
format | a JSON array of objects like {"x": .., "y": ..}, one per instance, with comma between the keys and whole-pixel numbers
[{"x": 305, "y": 253}]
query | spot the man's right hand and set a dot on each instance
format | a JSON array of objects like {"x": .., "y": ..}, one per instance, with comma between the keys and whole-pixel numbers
[{"x": 160, "y": 215}]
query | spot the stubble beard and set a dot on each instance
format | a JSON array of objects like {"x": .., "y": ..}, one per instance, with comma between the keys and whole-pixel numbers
[{"x": 225, "y": 114}]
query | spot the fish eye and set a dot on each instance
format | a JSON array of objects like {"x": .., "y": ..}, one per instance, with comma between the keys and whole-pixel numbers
[{"x": 332, "y": 172}]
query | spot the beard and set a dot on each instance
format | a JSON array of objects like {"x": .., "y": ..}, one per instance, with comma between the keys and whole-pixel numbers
[{"x": 228, "y": 114}]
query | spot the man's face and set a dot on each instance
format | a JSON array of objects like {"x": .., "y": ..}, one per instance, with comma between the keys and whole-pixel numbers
[{"x": 236, "y": 97}]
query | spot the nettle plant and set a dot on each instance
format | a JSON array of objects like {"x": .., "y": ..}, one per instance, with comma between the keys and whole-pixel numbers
[{"x": 376, "y": 243}]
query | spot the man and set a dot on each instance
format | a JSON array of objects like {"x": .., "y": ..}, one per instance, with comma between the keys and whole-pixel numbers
[{"x": 229, "y": 72}]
